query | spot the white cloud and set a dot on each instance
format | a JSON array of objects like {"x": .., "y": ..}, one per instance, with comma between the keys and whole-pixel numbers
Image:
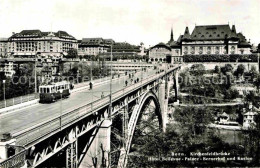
[{"x": 133, "y": 21}]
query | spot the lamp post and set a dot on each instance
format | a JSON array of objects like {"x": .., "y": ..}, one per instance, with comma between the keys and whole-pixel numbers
[
  {"x": 61, "y": 91},
  {"x": 110, "y": 105},
  {"x": 35, "y": 75},
  {"x": 4, "y": 92}
]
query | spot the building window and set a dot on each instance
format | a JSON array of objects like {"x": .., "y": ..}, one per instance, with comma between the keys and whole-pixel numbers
[
  {"x": 192, "y": 50},
  {"x": 185, "y": 50},
  {"x": 209, "y": 50},
  {"x": 200, "y": 50},
  {"x": 232, "y": 50},
  {"x": 217, "y": 50}
]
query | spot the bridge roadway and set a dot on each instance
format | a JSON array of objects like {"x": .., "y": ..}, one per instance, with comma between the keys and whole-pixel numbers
[{"x": 21, "y": 119}]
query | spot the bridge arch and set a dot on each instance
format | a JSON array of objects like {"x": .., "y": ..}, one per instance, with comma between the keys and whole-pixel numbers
[{"x": 150, "y": 95}]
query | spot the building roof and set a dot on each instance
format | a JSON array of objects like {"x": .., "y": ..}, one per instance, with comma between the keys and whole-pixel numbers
[
  {"x": 250, "y": 113},
  {"x": 38, "y": 33},
  {"x": 161, "y": 45},
  {"x": 3, "y": 39},
  {"x": 109, "y": 41},
  {"x": 214, "y": 32},
  {"x": 186, "y": 35},
  {"x": 224, "y": 114},
  {"x": 242, "y": 41},
  {"x": 211, "y": 32},
  {"x": 96, "y": 41},
  {"x": 124, "y": 47},
  {"x": 174, "y": 44},
  {"x": 179, "y": 39},
  {"x": 92, "y": 40}
]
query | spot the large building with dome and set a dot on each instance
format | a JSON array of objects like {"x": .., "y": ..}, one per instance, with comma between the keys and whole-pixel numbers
[{"x": 204, "y": 40}]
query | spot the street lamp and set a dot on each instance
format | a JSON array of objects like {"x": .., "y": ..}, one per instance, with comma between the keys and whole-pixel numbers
[
  {"x": 35, "y": 72},
  {"x": 110, "y": 106},
  {"x": 61, "y": 91},
  {"x": 4, "y": 92}
]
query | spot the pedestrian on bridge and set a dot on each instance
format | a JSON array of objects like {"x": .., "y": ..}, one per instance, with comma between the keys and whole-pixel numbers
[
  {"x": 90, "y": 85},
  {"x": 126, "y": 83}
]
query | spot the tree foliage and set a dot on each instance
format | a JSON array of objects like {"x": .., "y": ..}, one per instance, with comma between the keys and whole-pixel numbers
[
  {"x": 72, "y": 53},
  {"x": 240, "y": 70},
  {"x": 220, "y": 58}
]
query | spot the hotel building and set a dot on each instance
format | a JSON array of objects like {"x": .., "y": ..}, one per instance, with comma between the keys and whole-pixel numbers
[
  {"x": 94, "y": 46},
  {"x": 27, "y": 43}
]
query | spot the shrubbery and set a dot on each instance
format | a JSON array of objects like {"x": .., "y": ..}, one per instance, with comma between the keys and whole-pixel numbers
[{"x": 220, "y": 58}]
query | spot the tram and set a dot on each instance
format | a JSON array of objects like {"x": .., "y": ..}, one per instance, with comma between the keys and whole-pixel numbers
[{"x": 51, "y": 92}]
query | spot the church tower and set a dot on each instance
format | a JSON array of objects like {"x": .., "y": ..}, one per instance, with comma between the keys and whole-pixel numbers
[
  {"x": 171, "y": 35},
  {"x": 171, "y": 39}
]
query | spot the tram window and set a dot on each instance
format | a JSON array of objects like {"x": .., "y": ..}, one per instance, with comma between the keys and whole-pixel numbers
[
  {"x": 44, "y": 90},
  {"x": 47, "y": 90}
]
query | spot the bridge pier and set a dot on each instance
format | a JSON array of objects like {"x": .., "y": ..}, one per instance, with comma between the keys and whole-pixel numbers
[
  {"x": 9, "y": 148},
  {"x": 98, "y": 153},
  {"x": 163, "y": 101},
  {"x": 4, "y": 148},
  {"x": 176, "y": 86}
]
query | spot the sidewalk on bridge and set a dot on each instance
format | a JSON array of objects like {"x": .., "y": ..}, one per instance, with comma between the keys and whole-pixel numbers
[{"x": 18, "y": 106}]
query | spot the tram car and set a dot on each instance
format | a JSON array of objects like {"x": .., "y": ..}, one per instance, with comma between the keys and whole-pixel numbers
[{"x": 52, "y": 92}]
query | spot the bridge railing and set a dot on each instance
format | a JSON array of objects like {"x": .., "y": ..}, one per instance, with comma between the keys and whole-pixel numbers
[
  {"x": 15, "y": 161},
  {"x": 18, "y": 100},
  {"x": 70, "y": 116}
]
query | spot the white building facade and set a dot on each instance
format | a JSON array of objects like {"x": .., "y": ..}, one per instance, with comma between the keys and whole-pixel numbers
[{"x": 27, "y": 43}]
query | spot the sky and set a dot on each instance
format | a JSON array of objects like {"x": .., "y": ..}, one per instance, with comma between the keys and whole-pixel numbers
[{"x": 133, "y": 21}]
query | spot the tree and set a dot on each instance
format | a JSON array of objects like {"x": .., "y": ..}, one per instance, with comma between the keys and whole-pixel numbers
[
  {"x": 257, "y": 82},
  {"x": 198, "y": 69},
  {"x": 251, "y": 97},
  {"x": 253, "y": 73},
  {"x": 227, "y": 68},
  {"x": 231, "y": 94},
  {"x": 72, "y": 53},
  {"x": 184, "y": 78},
  {"x": 252, "y": 141},
  {"x": 217, "y": 69},
  {"x": 240, "y": 70},
  {"x": 193, "y": 120}
]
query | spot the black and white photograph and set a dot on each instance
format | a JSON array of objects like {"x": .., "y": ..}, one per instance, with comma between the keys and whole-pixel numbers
[{"x": 129, "y": 83}]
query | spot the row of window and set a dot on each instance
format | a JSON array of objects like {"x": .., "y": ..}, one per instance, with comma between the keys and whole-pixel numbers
[
  {"x": 208, "y": 50},
  {"x": 158, "y": 59}
]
